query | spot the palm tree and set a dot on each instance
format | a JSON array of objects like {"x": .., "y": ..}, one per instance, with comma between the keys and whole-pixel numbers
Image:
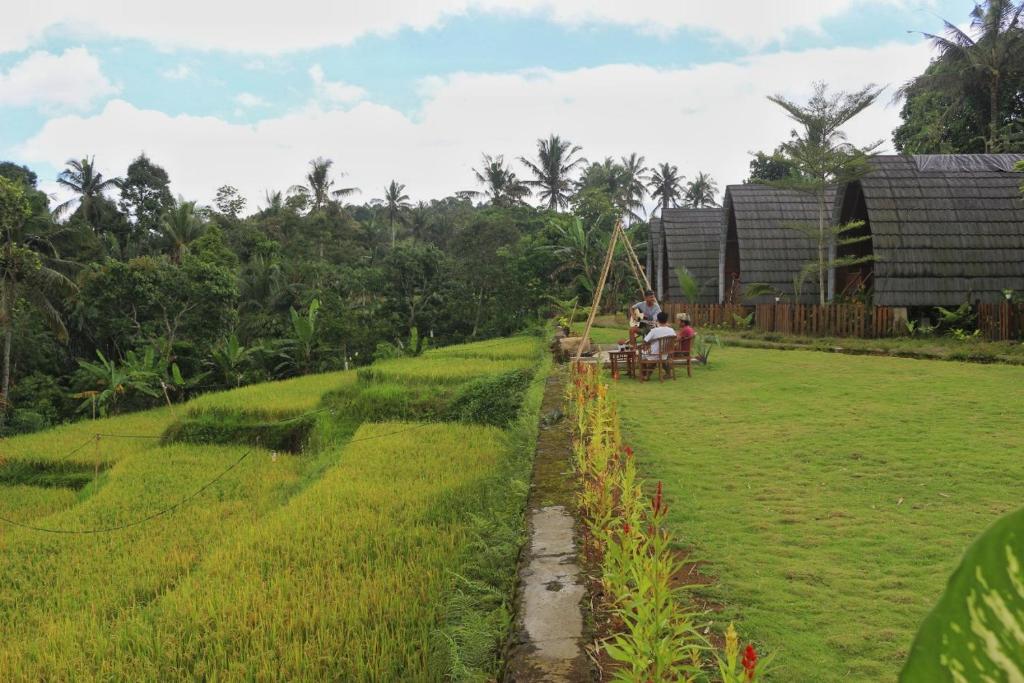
[
  {"x": 275, "y": 201},
  {"x": 419, "y": 220},
  {"x": 29, "y": 273},
  {"x": 500, "y": 182},
  {"x": 181, "y": 225},
  {"x": 396, "y": 202},
  {"x": 556, "y": 160},
  {"x": 666, "y": 185},
  {"x": 318, "y": 185},
  {"x": 988, "y": 59},
  {"x": 701, "y": 191},
  {"x": 88, "y": 185},
  {"x": 633, "y": 191}
]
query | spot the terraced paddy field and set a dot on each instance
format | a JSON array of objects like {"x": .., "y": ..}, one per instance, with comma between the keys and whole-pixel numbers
[
  {"x": 831, "y": 496},
  {"x": 382, "y": 548}
]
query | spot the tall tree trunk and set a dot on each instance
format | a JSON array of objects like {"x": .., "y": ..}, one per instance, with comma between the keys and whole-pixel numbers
[
  {"x": 822, "y": 265},
  {"x": 993, "y": 123},
  {"x": 6, "y": 387}
]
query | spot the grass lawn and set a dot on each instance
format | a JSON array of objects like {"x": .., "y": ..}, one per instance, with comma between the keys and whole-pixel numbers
[{"x": 831, "y": 495}]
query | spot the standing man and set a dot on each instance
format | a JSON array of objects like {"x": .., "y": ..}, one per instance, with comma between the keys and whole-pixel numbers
[{"x": 643, "y": 314}]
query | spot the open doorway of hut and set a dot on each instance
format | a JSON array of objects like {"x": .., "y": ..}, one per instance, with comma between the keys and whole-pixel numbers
[
  {"x": 854, "y": 282},
  {"x": 732, "y": 278}
]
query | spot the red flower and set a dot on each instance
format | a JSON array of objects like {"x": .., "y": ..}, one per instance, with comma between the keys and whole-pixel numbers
[
  {"x": 626, "y": 528},
  {"x": 629, "y": 451},
  {"x": 750, "y": 661},
  {"x": 656, "y": 501}
]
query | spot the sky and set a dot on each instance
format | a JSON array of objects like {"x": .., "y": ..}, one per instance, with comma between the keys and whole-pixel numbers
[{"x": 248, "y": 93}]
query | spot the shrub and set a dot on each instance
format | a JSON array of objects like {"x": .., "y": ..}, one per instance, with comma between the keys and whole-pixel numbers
[
  {"x": 222, "y": 427},
  {"x": 491, "y": 401}
]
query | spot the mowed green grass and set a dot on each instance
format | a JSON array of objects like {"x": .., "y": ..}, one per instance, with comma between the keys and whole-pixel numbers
[{"x": 831, "y": 495}]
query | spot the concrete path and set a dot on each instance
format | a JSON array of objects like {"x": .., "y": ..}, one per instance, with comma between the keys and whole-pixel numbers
[{"x": 548, "y": 638}]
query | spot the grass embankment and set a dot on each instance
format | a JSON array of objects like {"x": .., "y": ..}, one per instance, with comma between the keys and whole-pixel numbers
[
  {"x": 831, "y": 495},
  {"x": 387, "y": 556}
]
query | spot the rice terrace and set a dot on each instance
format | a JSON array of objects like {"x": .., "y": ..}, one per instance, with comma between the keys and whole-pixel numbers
[{"x": 419, "y": 342}]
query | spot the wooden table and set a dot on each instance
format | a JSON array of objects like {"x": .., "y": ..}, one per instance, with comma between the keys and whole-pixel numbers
[{"x": 628, "y": 357}]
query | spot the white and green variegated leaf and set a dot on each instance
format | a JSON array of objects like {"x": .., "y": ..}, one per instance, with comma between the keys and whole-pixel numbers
[{"x": 975, "y": 634}]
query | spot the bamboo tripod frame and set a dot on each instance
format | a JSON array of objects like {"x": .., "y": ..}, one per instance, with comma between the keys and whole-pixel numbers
[{"x": 638, "y": 273}]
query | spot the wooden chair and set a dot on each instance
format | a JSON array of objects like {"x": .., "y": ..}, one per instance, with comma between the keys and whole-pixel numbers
[
  {"x": 662, "y": 360},
  {"x": 682, "y": 354}
]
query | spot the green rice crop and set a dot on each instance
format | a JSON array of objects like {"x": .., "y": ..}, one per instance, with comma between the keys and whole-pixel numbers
[
  {"x": 509, "y": 348},
  {"x": 339, "y": 564},
  {"x": 26, "y": 503},
  {"x": 437, "y": 369},
  {"x": 57, "y": 444},
  {"x": 273, "y": 400},
  {"x": 345, "y": 582},
  {"x": 64, "y": 596}
]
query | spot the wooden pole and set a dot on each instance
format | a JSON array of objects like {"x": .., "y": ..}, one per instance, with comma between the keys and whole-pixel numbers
[{"x": 597, "y": 294}]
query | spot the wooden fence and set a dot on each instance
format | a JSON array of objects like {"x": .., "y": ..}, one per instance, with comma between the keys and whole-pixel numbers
[
  {"x": 1001, "y": 321},
  {"x": 997, "y": 322}
]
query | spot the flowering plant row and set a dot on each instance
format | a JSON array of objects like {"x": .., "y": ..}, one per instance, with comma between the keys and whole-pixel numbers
[{"x": 658, "y": 636}]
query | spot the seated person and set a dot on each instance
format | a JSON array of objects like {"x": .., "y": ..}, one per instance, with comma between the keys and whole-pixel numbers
[
  {"x": 686, "y": 334},
  {"x": 642, "y": 313},
  {"x": 655, "y": 338}
]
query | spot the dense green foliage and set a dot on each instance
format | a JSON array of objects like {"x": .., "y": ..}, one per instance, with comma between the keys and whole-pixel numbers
[
  {"x": 970, "y": 99},
  {"x": 125, "y": 297}
]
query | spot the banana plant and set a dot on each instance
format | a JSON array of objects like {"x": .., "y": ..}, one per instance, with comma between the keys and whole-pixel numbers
[
  {"x": 228, "y": 359},
  {"x": 113, "y": 381},
  {"x": 301, "y": 348}
]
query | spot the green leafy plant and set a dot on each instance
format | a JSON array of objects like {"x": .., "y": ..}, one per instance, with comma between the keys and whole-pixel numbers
[
  {"x": 962, "y": 316},
  {"x": 743, "y": 322},
  {"x": 962, "y": 335},
  {"x": 704, "y": 343},
  {"x": 976, "y": 631},
  {"x": 228, "y": 359},
  {"x": 113, "y": 381},
  {"x": 689, "y": 285}
]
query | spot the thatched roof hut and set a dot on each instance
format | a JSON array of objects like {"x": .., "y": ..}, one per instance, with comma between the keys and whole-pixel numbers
[
  {"x": 688, "y": 238},
  {"x": 759, "y": 246},
  {"x": 944, "y": 229}
]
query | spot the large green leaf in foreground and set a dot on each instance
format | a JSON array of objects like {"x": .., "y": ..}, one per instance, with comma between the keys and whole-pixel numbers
[{"x": 976, "y": 632}]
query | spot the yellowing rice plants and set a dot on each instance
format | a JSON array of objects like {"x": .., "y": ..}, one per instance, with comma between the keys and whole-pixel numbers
[
  {"x": 343, "y": 583},
  {"x": 273, "y": 400},
  {"x": 63, "y": 595},
  {"x": 519, "y": 348},
  {"x": 235, "y": 563},
  {"x": 26, "y": 503},
  {"x": 438, "y": 369}
]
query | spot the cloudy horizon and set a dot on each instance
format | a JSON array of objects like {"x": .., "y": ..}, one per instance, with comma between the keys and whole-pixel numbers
[{"x": 418, "y": 91}]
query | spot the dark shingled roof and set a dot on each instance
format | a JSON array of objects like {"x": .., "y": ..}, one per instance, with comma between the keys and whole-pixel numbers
[
  {"x": 942, "y": 235},
  {"x": 772, "y": 253},
  {"x": 691, "y": 238}
]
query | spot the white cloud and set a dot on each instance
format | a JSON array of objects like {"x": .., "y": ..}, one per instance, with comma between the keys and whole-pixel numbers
[
  {"x": 705, "y": 118},
  {"x": 72, "y": 80},
  {"x": 177, "y": 73},
  {"x": 337, "y": 92},
  {"x": 274, "y": 27},
  {"x": 247, "y": 99}
]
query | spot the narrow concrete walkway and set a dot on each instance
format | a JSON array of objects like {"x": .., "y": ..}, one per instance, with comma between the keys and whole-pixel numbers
[{"x": 548, "y": 638}]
